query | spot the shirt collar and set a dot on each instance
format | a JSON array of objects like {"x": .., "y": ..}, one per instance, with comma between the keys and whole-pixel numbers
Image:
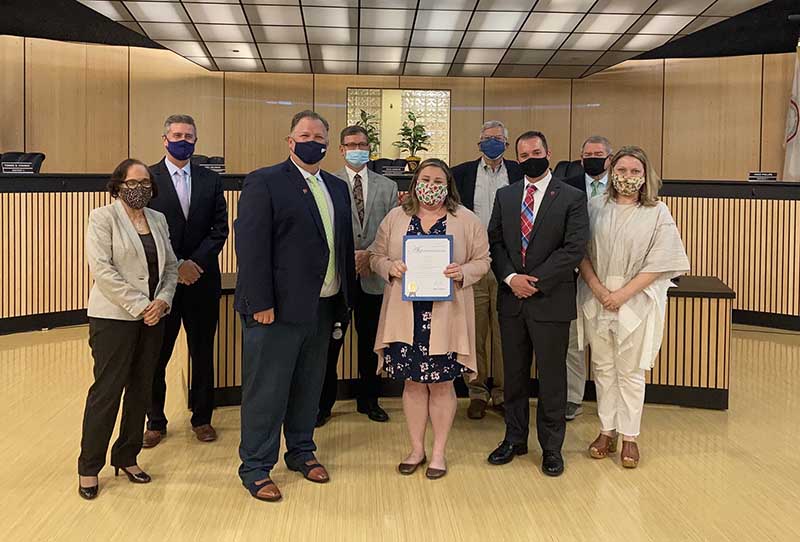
[
  {"x": 486, "y": 166},
  {"x": 305, "y": 173},
  {"x": 351, "y": 174},
  {"x": 542, "y": 184},
  {"x": 603, "y": 180},
  {"x": 172, "y": 168}
]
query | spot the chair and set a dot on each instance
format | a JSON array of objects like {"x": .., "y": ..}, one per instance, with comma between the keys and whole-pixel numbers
[
  {"x": 216, "y": 160},
  {"x": 199, "y": 159},
  {"x": 381, "y": 163},
  {"x": 35, "y": 158},
  {"x": 566, "y": 169},
  {"x": 10, "y": 156}
]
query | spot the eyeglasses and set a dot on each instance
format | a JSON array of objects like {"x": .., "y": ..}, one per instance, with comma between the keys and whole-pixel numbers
[
  {"x": 356, "y": 146},
  {"x": 136, "y": 183}
]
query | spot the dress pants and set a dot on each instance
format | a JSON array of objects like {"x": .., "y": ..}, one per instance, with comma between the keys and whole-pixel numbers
[
  {"x": 521, "y": 338},
  {"x": 366, "y": 313},
  {"x": 283, "y": 366},
  {"x": 576, "y": 367},
  {"x": 197, "y": 306},
  {"x": 125, "y": 355},
  {"x": 487, "y": 326},
  {"x": 619, "y": 381}
]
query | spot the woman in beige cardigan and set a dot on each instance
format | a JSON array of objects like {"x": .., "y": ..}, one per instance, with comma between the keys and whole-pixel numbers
[{"x": 429, "y": 344}]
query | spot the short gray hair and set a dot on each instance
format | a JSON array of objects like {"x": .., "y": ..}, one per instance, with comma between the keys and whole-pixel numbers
[
  {"x": 179, "y": 119},
  {"x": 598, "y": 139},
  {"x": 494, "y": 124}
]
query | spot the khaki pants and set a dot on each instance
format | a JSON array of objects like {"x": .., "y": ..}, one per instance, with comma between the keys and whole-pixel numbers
[
  {"x": 576, "y": 367},
  {"x": 489, "y": 352}
]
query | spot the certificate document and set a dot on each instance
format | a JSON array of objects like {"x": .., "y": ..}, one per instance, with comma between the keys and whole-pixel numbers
[{"x": 426, "y": 257}]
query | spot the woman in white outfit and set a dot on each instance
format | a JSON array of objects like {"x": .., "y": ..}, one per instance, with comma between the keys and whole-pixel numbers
[{"x": 634, "y": 252}]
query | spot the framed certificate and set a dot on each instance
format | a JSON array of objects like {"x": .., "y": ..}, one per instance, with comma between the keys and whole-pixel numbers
[{"x": 426, "y": 257}]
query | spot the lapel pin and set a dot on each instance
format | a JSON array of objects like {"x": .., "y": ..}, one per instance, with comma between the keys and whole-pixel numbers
[
  {"x": 305, "y": 190},
  {"x": 552, "y": 192}
]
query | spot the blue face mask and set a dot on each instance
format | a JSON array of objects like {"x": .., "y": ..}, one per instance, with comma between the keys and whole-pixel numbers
[
  {"x": 357, "y": 157},
  {"x": 492, "y": 148},
  {"x": 310, "y": 152},
  {"x": 180, "y": 150}
]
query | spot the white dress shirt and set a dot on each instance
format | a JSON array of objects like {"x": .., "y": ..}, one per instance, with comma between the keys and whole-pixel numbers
[
  {"x": 487, "y": 182},
  {"x": 541, "y": 189},
  {"x": 364, "y": 173},
  {"x": 333, "y": 288},
  {"x": 601, "y": 189}
]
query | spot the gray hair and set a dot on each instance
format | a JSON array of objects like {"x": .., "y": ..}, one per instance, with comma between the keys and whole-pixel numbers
[
  {"x": 179, "y": 119},
  {"x": 494, "y": 124},
  {"x": 598, "y": 139}
]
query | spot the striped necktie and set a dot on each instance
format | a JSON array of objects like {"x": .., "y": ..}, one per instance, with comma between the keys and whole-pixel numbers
[
  {"x": 324, "y": 213},
  {"x": 526, "y": 219}
]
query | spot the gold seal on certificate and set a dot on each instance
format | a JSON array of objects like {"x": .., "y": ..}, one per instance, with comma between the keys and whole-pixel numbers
[{"x": 426, "y": 257}]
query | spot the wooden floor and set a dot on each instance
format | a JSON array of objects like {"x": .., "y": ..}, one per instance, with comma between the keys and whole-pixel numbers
[{"x": 705, "y": 475}]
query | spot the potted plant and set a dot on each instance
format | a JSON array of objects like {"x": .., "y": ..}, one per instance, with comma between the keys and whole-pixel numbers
[
  {"x": 413, "y": 138},
  {"x": 367, "y": 121}
]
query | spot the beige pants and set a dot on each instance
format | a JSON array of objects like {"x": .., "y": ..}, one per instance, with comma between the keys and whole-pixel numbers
[
  {"x": 620, "y": 383},
  {"x": 576, "y": 367},
  {"x": 489, "y": 353}
]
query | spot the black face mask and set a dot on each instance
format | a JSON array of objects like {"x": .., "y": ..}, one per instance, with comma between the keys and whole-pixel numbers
[
  {"x": 594, "y": 166},
  {"x": 534, "y": 167}
]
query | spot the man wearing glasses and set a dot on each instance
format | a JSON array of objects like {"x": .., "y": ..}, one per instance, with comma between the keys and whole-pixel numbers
[
  {"x": 595, "y": 157},
  {"x": 372, "y": 196},
  {"x": 192, "y": 199},
  {"x": 477, "y": 182}
]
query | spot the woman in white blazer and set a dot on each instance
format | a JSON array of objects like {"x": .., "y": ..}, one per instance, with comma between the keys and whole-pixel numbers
[{"x": 135, "y": 274}]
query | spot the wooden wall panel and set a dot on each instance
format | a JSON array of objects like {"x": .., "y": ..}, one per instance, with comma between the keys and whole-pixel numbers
[
  {"x": 258, "y": 113},
  {"x": 623, "y": 103},
  {"x": 162, "y": 84},
  {"x": 330, "y": 101},
  {"x": 529, "y": 104},
  {"x": 777, "y": 87},
  {"x": 712, "y": 117},
  {"x": 106, "y": 107},
  {"x": 466, "y": 110},
  {"x": 12, "y": 94}
]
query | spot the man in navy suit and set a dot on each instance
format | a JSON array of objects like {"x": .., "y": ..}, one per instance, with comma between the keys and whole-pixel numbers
[{"x": 294, "y": 244}]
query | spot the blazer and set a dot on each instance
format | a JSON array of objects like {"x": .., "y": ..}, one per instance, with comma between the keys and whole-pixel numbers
[
  {"x": 201, "y": 236},
  {"x": 118, "y": 264},
  {"x": 453, "y": 323},
  {"x": 381, "y": 198},
  {"x": 556, "y": 247},
  {"x": 281, "y": 245},
  {"x": 577, "y": 181},
  {"x": 466, "y": 174}
]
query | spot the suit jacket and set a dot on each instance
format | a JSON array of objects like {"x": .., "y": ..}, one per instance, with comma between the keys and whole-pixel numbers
[
  {"x": 557, "y": 245},
  {"x": 466, "y": 174},
  {"x": 118, "y": 264},
  {"x": 577, "y": 181},
  {"x": 200, "y": 237},
  {"x": 381, "y": 198},
  {"x": 281, "y": 245}
]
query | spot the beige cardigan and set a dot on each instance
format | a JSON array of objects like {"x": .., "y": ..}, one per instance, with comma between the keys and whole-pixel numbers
[{"x": 453, "y": 324}]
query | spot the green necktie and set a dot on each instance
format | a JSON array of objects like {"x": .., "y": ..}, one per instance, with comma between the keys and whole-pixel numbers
[
  {"x": 322, "y": 205},
  {"x": 595, "y": 186}
]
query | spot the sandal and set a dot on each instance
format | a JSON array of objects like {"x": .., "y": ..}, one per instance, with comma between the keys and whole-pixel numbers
[
  {"x": 305, "y": 470},
  {"x": 629, "y": 454},
  {"x": 255, "y": 488},
  {"x": 603, "y": 445}
]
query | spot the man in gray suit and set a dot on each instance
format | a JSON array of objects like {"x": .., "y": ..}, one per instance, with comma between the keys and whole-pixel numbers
[{"x": 372, "y": 196}]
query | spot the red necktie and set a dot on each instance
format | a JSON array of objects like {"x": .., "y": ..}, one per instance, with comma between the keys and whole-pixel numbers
[{"x": 526, "y": 219}]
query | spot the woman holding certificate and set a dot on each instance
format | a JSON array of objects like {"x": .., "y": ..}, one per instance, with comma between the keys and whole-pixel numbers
[{"x": 430, "y": 251}]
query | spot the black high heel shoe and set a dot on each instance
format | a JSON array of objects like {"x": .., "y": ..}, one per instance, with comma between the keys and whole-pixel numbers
[
  {"x": 88, "y": 493},
  {"x": 138, "y": 478}
]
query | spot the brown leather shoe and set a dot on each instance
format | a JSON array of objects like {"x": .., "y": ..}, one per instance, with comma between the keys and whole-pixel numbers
[
  {"x": 152, "y": 438},
  {"x": 629, "y": 454},
  {"x": 268, "y": 491},
  {"x": 205, "y": 433},
  {"x": 476, "y": 409},
  {"x": 434, "y": 474},
  {"x": 410, "y": 468},
  {"x": 312, "y": 471}
]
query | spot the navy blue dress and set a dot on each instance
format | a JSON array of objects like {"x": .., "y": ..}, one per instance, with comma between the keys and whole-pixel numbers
[{"x": 403, "y": 361}]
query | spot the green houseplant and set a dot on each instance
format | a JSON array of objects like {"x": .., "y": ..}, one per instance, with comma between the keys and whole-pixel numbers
[
  {"x": 367, "y": 121},
  {"x": 413, "y": 138}
]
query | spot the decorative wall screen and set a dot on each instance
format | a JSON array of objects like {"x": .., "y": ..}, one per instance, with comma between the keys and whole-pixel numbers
[
  {"x": 432, "y": 108},
  {"x": 368, "y": 99}
]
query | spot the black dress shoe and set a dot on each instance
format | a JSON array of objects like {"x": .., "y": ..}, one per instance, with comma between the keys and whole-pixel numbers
[
  {"x": 88, "y": 493},
  {"x": 374, "y": 412},
  {"x": 506, "y": 451},
  {"x": 322, "y": 419},
  {"x": 552, "y": 464}
]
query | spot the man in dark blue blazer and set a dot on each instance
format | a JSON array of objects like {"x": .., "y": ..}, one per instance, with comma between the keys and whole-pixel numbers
[{"x": 294, "y": 245}]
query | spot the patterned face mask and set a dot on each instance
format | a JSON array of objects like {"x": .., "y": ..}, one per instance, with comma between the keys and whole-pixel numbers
[
  {"x": 136, "y": 198},
  {"x": 431, "y": 194},
  {"x": 627, "y": 186}
]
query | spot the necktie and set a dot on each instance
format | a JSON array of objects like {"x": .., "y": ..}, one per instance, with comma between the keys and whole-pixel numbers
[
  {"x": 182, "y": 188},
  {"x": 595, "y": 188},
  {"x": 526, "y": 219},
  {"x": 324, "y": 213},
  {"x": 358, "y": 196}
]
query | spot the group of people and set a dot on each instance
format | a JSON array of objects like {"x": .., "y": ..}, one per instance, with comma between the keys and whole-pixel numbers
[{"x": 540, "y": 267}]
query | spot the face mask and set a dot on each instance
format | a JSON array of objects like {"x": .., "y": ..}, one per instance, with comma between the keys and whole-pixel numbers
[
  {"x": 357, "y": 157},
  {"x": 535, "y": 167},
  {"x": 431, "y": 194},
  {"x": 594, "y": 166},
  {"x": 310, "y": 152},
  {"x": 180, "y": 150},
  {"x": 136, "y": 198},
  {"x": 492, "y": 148},
  {"x": 627, "y": 186}
]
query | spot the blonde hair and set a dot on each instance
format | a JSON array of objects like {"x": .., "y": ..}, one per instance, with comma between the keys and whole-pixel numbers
[
  {"x": 453, "y": 200},
  {"x": 648, "y": 193}
]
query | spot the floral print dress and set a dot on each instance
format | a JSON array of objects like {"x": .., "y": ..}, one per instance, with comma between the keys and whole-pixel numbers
[{"x": 411, "y": 361}]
